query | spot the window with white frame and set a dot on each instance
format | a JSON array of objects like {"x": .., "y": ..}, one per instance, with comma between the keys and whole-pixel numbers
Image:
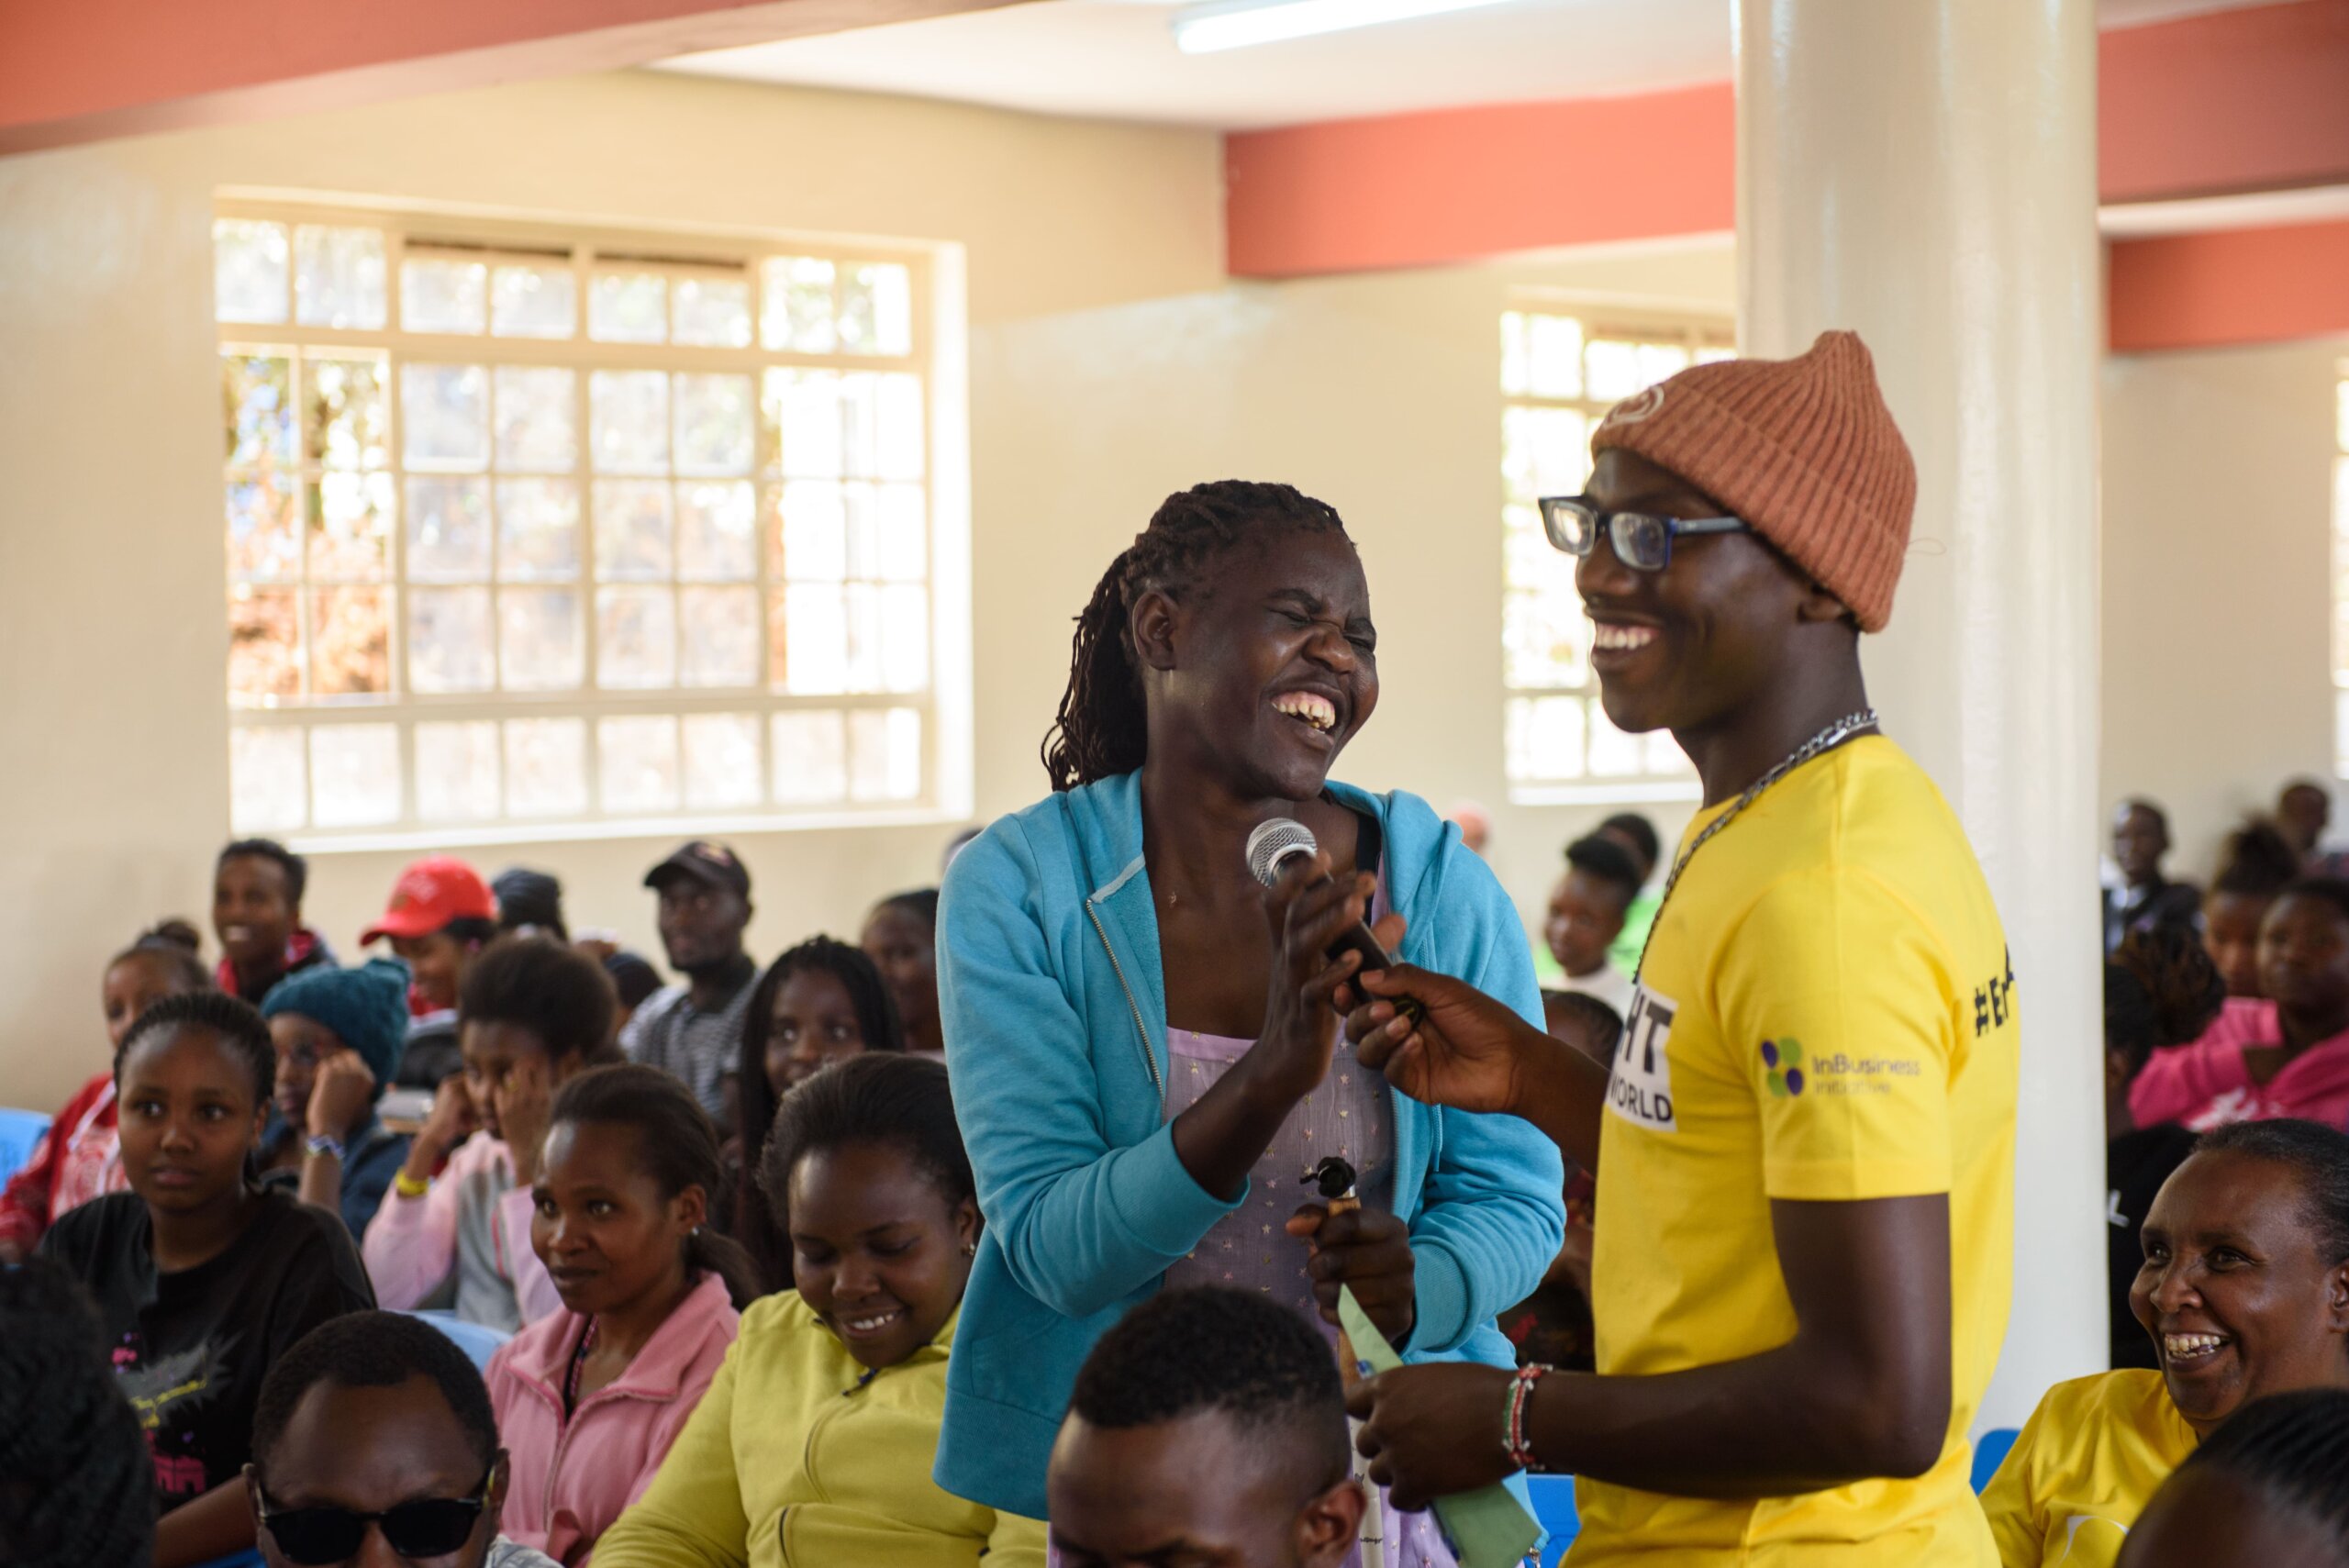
[
  {"x": 1560, "y": 370},
  {"x": 2341, "y": 573},
  {"x": 529, "y": 528}
]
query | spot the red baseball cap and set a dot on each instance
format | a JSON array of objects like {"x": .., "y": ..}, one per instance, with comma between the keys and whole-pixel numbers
[{"x": 430, "y": 893}]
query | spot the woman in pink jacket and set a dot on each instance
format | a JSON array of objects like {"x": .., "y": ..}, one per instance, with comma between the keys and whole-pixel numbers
[
  {"x": 590, "y": 1397},
  {"x": 2286, "y": 1056}
]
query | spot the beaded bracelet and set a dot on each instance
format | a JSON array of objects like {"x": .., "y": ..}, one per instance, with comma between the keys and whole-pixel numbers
[{"x": 1521, "y": 1393}]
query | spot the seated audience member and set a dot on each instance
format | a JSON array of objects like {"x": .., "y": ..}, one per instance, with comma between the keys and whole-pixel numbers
[
  {"x": 1552, "y": 1327},
  {"x": 634, "y": 981},
  {"x": 901, "y": 939},
  {"x": 2145, "y": 899},
  {"x": 2303, "y": 811},
  {"x": 2161, "y": 989},
  {"x": 589, "y": 1398},
  {"x": 1637, "y": 834},
  {"x": 1475, "y": 825},
  {"x": 529, "y": 903},
  {"x": 1587, "y": 911},
  {"x": 257, "y": 887},
  {"x": 823, "y": 1002},
  {"x": 2269, "y": 1490},
  {"x": 694, "y": 1030},
  {"x": 2253, "y": 869},
  {"x": 2288, "y": 1056},
  {"x": 815, "y": 1443},
  {"x": 78, "y": 1158},
  {"x": 338, "y": 1034},
  {"x": 202, "y": 1279},
  {"x": 80, "y": 1487},
  {"x": 440, "y": 916},
  {"x": 2245, "y": 1293},
  {"x": 1207, "y": 1427},
  {"x": 375, "y": 1444},
  {"x": 534, "y": 1014}
]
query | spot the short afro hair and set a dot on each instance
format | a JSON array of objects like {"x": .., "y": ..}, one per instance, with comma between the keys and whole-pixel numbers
[
  {"x": 1639, "y": 830},
  {"x": 2293, "y": 1449},
  {"x": 296, "y": 868},
  {"x": 551, "y": 988},
  {"x": 1603, "y": 859},
  {"x": 1235, "y": 1353},
  {"x": 374, "y": 1350},
  {"x": 77, "y": 1485}
]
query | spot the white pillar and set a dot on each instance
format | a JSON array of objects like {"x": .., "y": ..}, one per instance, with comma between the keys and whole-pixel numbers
[{"x": 1924, "y": 171}]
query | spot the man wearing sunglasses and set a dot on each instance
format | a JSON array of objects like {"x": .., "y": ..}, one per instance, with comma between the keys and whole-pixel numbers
[
  {"x": 1802, "y": 1265},
  {"x": 375, "y": 1444}
]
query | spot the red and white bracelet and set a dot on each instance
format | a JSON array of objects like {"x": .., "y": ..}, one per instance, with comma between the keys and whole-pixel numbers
[{"x": 1520, "y": 1395}]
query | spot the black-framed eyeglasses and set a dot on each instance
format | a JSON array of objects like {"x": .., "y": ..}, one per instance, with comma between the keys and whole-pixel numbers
[
  {"x": 1641, "y": 540},
  {"x": 421, "y": 1526}
]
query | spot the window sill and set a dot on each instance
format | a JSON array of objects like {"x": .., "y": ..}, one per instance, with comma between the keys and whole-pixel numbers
[
  {"x": 429, "y": 839},
  {"x": 1607, "y": 792}
]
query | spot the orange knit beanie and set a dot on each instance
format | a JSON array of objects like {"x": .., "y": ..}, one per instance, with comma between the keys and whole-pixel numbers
[{"x": 1804, "y": 450}]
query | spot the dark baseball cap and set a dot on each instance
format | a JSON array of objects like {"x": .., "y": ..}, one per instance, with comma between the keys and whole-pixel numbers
[{"x": 713, "y": 865}]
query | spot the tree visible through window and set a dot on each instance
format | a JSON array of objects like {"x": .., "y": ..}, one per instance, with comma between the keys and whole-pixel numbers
[
  {"x": 525, "y": 530},
  {"x": 1559, "y": 374}
]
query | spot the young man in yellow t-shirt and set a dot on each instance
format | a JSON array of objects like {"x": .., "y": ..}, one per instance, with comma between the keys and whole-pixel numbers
[{"x": 1806, "y": 1146}]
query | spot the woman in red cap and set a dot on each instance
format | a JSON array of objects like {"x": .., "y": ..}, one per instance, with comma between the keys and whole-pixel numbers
[
  {"x": 440, "y": 916},
  {"x": 1807, "y": 1141}
]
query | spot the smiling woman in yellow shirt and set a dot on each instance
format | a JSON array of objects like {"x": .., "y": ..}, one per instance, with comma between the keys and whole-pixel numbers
[
  {"x": 813, "y": 1446},
  {"x": 2245, "y": 1292}
]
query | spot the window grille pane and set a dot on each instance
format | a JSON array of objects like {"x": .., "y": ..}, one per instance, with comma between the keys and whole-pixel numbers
[
  {"x": 538, "y": 419},
  {"x": 1660, "y": 361},
  {"x": 636, "y": 638},
  {"x": 541, "y": 639},
  {"x": 1613, "y": 755},
  {"x": 346, "y": 414},
  {"x": 717, "y": 537},
  {"x": 891, "y": 285},
  {"x": 263, "y": 541},
  {"x": 631, "y": 421},
  {"x": 637, "y": 760},
  {"x": 1544, "y": 737},
  {"x": 901, "y": 542},
  {"x": 721, "y": 636},
  {"x": 338, "y": 276},
  {"x": 1546, "y": 639},
  {"x": 350, "y": 527},
  {"x": 264, "y": 646},
  {"x": 799, "y": 312},
  {"x": 1545, "y": 451},
  {"x": 713, "y": 311},
  {"x": 1612, "y": 369},
  {"x": 534, "y": 302},
  {"x": 633, "y": 528},
  {"x": 722, "y": 766},
  {"x": 898, "y": 421},
  {"x": 904, "y": 637},
  {"x": 628, "y": 308},
  {"x": 269, "y": 781},
  {"x": 815, "y": 640},
  {"x": 257, "y": 410},
  {"x": 354, "y": 775},
  {"x": 448, "y": 530},
  {"x": 810, "y": 758},
  {"x": 444, "y": 411},
  {"x": 457, "y": 771},
  {"x": 884, "y": 754},
  {"x": 249, "y": 271},
  {"x": 351, "y": 641},
  {"x": 546, "y": 767},
  {"x": 538, "y": 531},
  {"x": 440, "y": 295},
  {"x": 1665, "y": 757},
  {"x": 863, "y": 652},
  {"x": 448, "y": 646},
  {"x": 815, "y": 532},
  {"x": 714, "y": 424},
  {"x": 1554, "y": 352}
]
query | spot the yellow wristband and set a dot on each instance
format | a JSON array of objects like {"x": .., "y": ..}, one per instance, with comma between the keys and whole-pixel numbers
[{"x": 409, "y": 1186}]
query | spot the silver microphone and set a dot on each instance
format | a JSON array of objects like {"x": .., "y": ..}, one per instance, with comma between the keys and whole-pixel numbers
[{"x": 1280, "y": 839}]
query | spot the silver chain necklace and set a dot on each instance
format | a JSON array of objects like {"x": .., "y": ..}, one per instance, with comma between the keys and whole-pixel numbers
[{"x": 1827, "y": 740}]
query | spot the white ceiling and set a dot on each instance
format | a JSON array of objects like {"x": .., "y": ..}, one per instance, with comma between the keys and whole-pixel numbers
[{"x": 1116, "y": 60}]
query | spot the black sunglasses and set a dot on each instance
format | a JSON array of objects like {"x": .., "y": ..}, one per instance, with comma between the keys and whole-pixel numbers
[{"x": 422, "y": 1526}]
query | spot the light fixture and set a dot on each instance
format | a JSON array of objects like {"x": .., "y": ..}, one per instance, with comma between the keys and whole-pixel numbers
[{"x": 1236, "y": 24}]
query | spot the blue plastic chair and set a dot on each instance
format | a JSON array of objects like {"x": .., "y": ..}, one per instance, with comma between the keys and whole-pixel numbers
[
  {"x": 20, "y": 1130},
  {"x": 478, "y": 1341},
  {"x": 1991, "y": 1453},
  {"x": 1553, "y": 1510}
]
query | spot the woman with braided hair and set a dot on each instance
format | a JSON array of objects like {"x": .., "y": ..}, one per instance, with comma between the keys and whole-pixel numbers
[{"x": 1142, "y": 1038}]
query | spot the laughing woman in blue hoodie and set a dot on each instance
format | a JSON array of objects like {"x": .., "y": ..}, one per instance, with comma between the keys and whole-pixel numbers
[{"x": 1144, "y": 1057}]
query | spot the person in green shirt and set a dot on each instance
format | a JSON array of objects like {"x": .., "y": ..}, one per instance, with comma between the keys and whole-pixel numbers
[{"x": 1637, "y": 835}]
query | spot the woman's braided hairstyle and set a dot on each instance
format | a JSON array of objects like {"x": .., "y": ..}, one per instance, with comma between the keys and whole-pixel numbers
[{"x": 1101, "y": 728}]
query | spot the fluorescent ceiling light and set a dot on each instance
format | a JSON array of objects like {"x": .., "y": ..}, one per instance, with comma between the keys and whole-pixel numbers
[{"x": 1236, "y": 24}]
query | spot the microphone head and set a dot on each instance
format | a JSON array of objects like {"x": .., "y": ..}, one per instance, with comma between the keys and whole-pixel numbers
[{"x": 1273, "y": 842}]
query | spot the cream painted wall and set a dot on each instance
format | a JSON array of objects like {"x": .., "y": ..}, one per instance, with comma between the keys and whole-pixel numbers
[
  {"x": 2218, "y": 495},
  {"x": 1110, "y": 362}
]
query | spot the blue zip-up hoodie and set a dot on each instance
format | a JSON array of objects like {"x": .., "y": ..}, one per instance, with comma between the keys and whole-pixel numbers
[{"x": 1054, "y": 1005}]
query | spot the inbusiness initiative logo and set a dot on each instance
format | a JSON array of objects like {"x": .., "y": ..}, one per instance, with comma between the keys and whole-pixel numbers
[{"x": 1784, "y": 1058}]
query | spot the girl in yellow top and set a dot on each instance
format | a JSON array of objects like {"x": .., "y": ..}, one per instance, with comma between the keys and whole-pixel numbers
[
  {"x": 2245, "y": 1292},
  {"x": 813, "y": 1448}
]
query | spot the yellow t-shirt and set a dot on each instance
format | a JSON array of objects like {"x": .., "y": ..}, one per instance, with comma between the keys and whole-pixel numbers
[
  {"x": 1828, "y": 1013},
  {"x": 2089, "y": 1460}
]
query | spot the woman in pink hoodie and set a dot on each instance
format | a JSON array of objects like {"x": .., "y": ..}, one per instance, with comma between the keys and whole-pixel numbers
[
  {"x": 590, "y": 1397},
  {"x": 2285, "y": 1056}
]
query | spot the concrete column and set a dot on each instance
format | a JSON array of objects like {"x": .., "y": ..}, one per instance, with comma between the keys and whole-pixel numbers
[{"x": 1925, "y": 172}]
